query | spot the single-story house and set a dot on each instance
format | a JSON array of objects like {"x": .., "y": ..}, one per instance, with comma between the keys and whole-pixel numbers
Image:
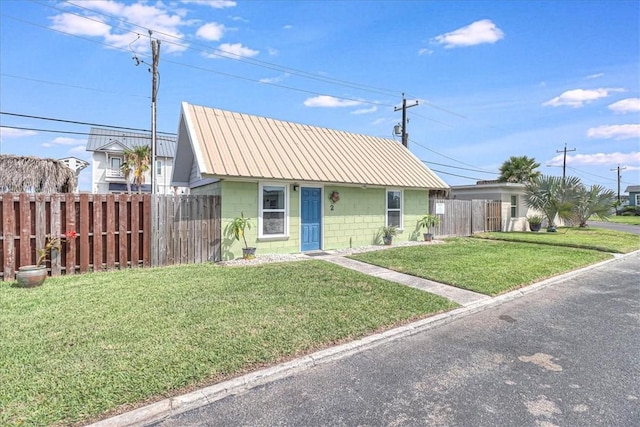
[
  {"x": 510, "y": 194},
  {"x": 634, "y": 195},
  {"x": 306, "y": 188}
]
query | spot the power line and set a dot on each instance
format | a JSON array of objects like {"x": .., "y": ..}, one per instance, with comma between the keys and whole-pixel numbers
[
  {"x": 209, "y": 70},
  {"x": 445, "y": 156},
  {"x": 64, "y": 132},
  {"x": 458, "y": 167},
  {"x": 252, "y": 61},
  {"x": 71, "y": 86},
  {"x": 228, "y": 55},
  {"x": 77, "y": 122},
  {"x": 459, "y": 176}
]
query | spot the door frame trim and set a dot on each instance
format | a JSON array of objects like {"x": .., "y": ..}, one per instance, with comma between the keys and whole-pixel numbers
[{"x": 321, "y": 187}]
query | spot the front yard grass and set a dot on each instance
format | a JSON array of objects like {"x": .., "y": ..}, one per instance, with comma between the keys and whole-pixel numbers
[
  {"x": 599, "y": 239},
  {"x": 484, "y": 266},
  {"x": 81, "y": 347}
]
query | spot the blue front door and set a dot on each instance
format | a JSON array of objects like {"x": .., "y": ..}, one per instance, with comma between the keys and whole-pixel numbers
[{"x": 310, "y": 215}]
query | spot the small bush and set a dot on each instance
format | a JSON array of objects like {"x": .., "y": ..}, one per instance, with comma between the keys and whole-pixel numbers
[{"x": 631, "y": 211}]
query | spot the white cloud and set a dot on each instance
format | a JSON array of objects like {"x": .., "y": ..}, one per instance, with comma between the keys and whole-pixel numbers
[
  {"x": 578, "y": 97},
  {"x": 479, "y": 32},
  {"x": 599, "y": 159},
  {"x": 373, "y": 109},
  {"x": 276, "y": 79},
  {"x": 629, "y": 105},
  {"x": 157, "y": 16},
  {"x": 216, "y": 4},
  {"x": 80, "y": 26},
  {"x": 425, "y": 52},
  {"x": 615, "y": 131},
  {"x": 14, "y": 133},
  {"x": 287, "y": 27},
  {"x": 211, "y": 31},
  {"x": 68, "y": 141},
  {"x": 595, "y": 76},
  {"x": 325, "y": 101},
  {"x": 233, "y": 51}
]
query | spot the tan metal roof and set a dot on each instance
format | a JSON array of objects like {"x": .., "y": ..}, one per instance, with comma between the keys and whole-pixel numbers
[{"x": 228, "y": 144}]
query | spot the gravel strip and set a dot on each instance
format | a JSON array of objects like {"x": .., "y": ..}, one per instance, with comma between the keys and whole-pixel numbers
[{"x": 270, "y": 258}]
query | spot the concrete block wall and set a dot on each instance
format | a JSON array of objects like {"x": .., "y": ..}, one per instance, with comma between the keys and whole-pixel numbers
[{"x": 356, "y": 220}]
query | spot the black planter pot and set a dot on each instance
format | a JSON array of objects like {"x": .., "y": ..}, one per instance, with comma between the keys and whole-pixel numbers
[
  {"x": 248, "y": 253},
  {"x": 428, "y": 237},
  {"x": 387, "y": 240},
  {"x": 535, "y": 227}
]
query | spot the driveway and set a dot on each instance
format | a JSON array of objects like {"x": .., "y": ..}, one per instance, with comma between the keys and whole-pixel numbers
[{"x": 565, "y": 355}]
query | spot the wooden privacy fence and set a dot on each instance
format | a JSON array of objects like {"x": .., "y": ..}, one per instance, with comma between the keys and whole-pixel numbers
[
  {"x": 466, "y": 217},
  {"x": 113, "y": 231},
  {"x": 188, "y": 229}
]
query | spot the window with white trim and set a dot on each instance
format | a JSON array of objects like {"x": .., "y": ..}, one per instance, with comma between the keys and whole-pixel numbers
[
  {"x": 274, "y": 211},
  {"x": 514, "y": 206},
  {"x": 116, "y": 162},
  {"x": 637, "y": 199},
  {"x": 394, "y": 208},
  {"x": 158, "y": 167}
]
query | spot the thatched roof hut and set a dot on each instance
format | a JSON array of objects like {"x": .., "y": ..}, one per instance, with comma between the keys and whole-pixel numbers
[{"x": 32, "y": 174}]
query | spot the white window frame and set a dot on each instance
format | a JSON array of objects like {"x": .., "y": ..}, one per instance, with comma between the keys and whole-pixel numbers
[
  {"x": 261, "y": 211},
  {"x": 386, "y": 207},
  {"x": 513, "y": 207},
  {"x": 111, "y": 159},
  {"x": 158, "y": 167},
  {"x": 638, "y": 199}
]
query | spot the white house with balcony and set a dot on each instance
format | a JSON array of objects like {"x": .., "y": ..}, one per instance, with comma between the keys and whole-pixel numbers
[{"x": 108, "y": 146}]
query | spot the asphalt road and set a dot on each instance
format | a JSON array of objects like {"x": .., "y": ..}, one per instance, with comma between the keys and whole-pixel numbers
[
  {"x": 615, "y": 226},
  {"x": 567, "y": 355}
]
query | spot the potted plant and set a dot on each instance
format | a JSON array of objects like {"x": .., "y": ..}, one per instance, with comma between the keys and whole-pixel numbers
[
  {"x": 30, "y": 276},
  {"x": 427, "y": 222},
  {"x": 535, "y": 222},
  {"x": 388, "y": 233},
  {"x": 236, "y": 229}
]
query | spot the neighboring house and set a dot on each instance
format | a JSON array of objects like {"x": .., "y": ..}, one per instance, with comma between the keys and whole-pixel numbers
[
  {"x": 108, "y": 145},
  {"x": 634, "y": 195},
  {"x": 306, "y": 188},
  {"x": 510, "y": 194},
  {"x": 76, "y": 165}
]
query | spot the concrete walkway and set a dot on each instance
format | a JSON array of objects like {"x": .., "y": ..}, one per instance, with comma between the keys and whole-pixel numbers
[{"x": 461, "y": 296}]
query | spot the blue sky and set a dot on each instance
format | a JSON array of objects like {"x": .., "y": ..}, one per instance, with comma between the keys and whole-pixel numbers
[{"x": 493, "y": 79}]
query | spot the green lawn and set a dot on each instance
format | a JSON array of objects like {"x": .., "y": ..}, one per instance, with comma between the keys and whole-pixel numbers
[
  {"x": 632, "y": 220},
  {"x": 598, "y": 239},
  {"x": 485, "y": 266},
  {"x": 82, "y": 346}
]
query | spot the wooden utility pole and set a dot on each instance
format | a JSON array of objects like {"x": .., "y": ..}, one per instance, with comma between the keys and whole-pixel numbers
[
  {"x": 564, "y": 161},
  {"x": 155, "y": 55},
  {"x": 405, "y": 135},
  {"x": 619, "y": 178}
]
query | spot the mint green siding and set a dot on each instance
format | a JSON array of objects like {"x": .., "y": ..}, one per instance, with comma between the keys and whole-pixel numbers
[{"x": 355, "y": 220}]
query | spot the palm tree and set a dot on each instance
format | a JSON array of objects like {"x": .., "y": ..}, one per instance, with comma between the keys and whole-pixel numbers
[
  {"x": 595, "y": 200},
  {"x": 553, "y": 196},
  {"x": 136, "y": 163},
  {"x": 33, "y": 174},
  {"x": 519, "y": 169}
]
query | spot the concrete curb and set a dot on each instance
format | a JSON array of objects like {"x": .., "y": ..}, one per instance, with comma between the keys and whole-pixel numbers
[{"x": 158, "y": 411}]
